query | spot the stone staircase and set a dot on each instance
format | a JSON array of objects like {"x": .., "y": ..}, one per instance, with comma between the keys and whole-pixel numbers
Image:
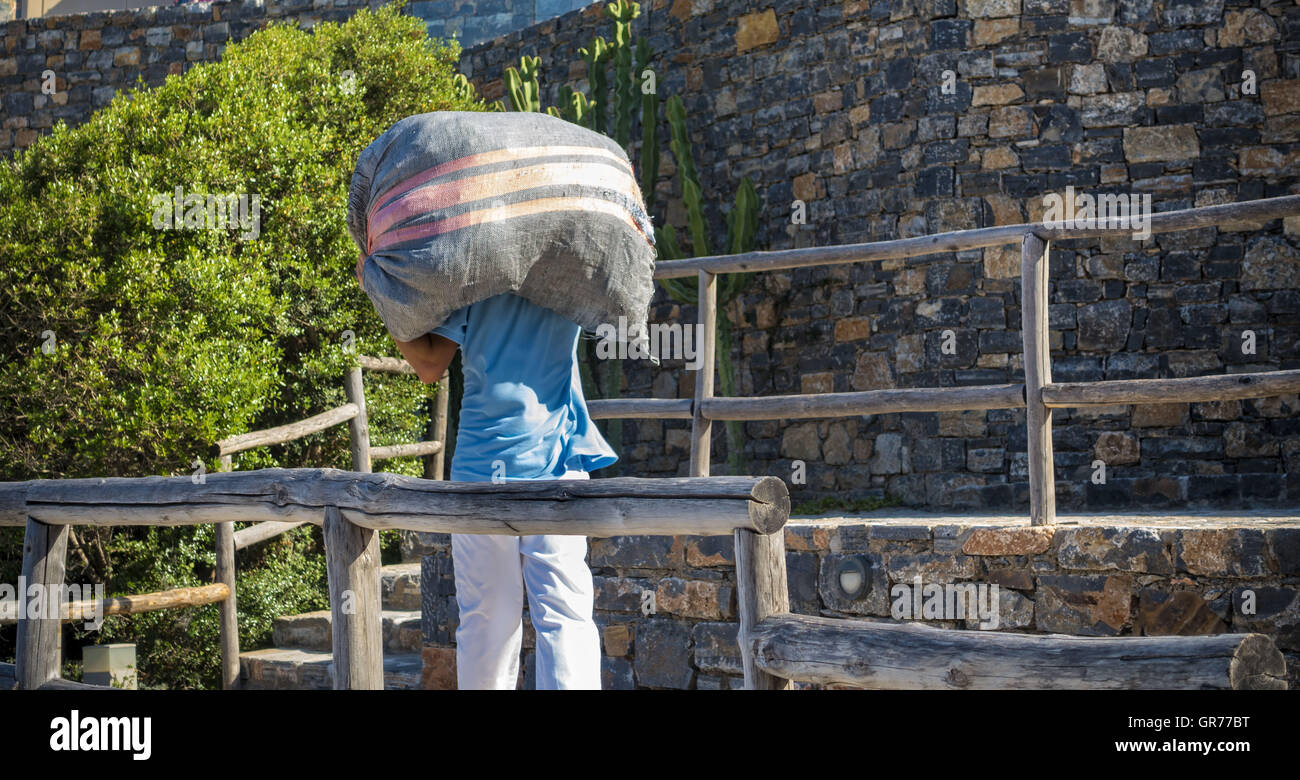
[{"x": 301, "y": 658}]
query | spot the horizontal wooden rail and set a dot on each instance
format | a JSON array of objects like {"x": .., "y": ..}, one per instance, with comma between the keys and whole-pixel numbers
[
  {"x": 894, "y": 656},
  {"x": 12, "y": 507},
  {"x": 1225, "y": 387},
  {"x": 60, "y": 684},
  {"x": 260, "y": 532},
  {"x": 639, "y": 408},
  {"x": 924, "y": 399},
  {"x": 405, "y": 450},
  {"x": 961, "y": 240},
  {"x": 389, "y": 365},
  {"x": 599, "y": 507},
  {"x": 130, "y": 605},
  {"x": 284, "y": 433}
]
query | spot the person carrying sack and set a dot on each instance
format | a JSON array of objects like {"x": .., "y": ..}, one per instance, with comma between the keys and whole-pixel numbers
[{"x": 542, "y": 241}]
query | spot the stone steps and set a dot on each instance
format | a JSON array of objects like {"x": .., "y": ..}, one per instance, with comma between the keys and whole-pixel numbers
[
  {"x": 302, "y": 659},
  {"x": 277, "y": 668},
  {"x": 312, "y": 631}
]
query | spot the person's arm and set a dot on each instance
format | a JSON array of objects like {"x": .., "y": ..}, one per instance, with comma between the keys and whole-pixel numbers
[{"x": 429, "y": 355}]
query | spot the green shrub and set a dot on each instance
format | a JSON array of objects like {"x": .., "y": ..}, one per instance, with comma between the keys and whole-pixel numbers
[{"x": 164, "y": 341}]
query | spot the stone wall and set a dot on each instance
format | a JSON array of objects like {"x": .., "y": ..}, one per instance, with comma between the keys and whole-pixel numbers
[
  {"x": 94, "y": 55},
  {"x": 1104, "y": 576},
  {"x": 842, "y": 106},
  {"x": 478, "y": 21}
]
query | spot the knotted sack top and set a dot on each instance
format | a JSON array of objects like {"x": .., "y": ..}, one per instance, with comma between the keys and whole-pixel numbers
[{"x": 454, "y": 207}]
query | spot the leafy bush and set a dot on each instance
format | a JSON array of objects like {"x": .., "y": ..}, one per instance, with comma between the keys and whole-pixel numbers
[{"x": 127, "y": 349}]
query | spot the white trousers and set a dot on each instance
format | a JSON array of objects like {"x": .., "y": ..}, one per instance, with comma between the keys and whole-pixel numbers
[{"x": 492, "y": 574}]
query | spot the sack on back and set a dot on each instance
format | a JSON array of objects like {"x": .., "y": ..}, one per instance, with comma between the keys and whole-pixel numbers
[{"x": 453, "y": 207}]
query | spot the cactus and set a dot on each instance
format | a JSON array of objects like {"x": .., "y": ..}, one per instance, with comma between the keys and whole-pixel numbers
[
  {"x": 622, "y": 13},
  {"x": 573, "y": 107},
  {"x": 522, "y": 87},
  {"x": 595, "y": 57},
  {"x": 649, "y": 125},
  {"x": 742, "y": 222},
  {"x": 461, "y": 87},
  {"x": 680, "y": 142}
]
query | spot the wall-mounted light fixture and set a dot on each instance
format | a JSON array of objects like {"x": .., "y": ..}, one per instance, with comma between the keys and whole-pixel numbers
[{"x": 852, "y": 576}]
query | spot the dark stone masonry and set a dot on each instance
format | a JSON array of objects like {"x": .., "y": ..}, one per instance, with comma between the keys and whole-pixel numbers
[
  {"x": 92, "y": 56},
  {"x": 666, "y": 606},
  {"x": 842, "y": 106}
]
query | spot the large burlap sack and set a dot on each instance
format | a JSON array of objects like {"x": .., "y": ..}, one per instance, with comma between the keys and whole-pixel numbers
[{"x": 453, "y": 207}]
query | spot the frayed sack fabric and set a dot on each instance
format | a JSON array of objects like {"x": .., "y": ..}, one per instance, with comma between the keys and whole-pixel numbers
[{"x": 453, "y": 207}]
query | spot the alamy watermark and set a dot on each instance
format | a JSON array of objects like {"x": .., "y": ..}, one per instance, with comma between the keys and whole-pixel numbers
[
  {"x": 46, "y": 602},
  {"x": 1106, "y": 210},
  {"x": 197, "y": 211},
  {"x": 132, "y": 734},
  {"x": 950, "y": 601},
  {"x": 654, "y": 342}
]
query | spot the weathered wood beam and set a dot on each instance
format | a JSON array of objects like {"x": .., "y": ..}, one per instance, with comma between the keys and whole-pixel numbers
[
  {"x": 359, "y": 425},
  {"x": 39, "y": 650},
  {"x": 598, "y": 507},
  {"x": 701, "y": 426},
  {"x": 405, "y": 450},
  {"x": 923, "y": 399},
  {"x": 1036, "y": 339},
  {"x": 262, "y": 531},
  {"x": 910, "y": 656},
  {"x": 960, "y": 240},
  {"x": 283, "y": 433},
  {"x": 352, "y": 565},
  {"x": 762, "y": 591},
  {"x": 640, "y": 408},
  {"x": 1226, "y": 387},
  {"x": 13, "y": 503},
  {"x": 86, "y": 609},
  {"x": 436, "y": 467},
  {"x": 390, "y": 365},
  {"x": 229, "y": 609}
]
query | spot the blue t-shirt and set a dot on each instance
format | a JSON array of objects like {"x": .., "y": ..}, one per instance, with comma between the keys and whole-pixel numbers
[{"x": 523, "y": 403}]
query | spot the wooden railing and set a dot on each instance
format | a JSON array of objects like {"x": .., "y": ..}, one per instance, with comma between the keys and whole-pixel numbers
[
  {"x": 1038, "y": 394},
  {"x": 228, "y": 541},
  {"x": 776, "y": 646},
  {"x": 352, "y": 507},
  {"x": 764, "y": 555}
]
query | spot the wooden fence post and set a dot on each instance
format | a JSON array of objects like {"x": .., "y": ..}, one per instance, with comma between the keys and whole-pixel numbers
[
  {"x": 1038, "y": 372},
  {"x": 40, "y": 647},
  {"x": 352, "y": 563},
  {"x": 435, "y": 465},
  {"x": 760, "y": 558},
  {"x": 225, "y": 541},
  {"x": 701, "y": 426},
  {"x": 359, "y": 426}
]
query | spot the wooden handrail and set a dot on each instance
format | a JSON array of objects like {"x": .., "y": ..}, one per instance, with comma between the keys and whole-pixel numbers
[
  {"x": 961, "y": 240},
  {"x": 260, "y": 532},
  {"x": 600, "y": 507},
  {"x": 390, "y": 365},
  {"x": 1192, "y": 389},
  {"x": 413, "y": 449},
  {"x": 174, "y": 598},
  {"x": 920, "y": 399},
  {"x": 284, "y": 433},
  {"x": 639, "y": 408}
]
